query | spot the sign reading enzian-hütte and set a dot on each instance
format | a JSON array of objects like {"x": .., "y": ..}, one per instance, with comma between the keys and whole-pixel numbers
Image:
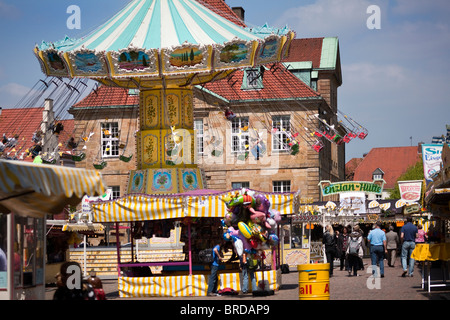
[{"x": 328, "y": 188}]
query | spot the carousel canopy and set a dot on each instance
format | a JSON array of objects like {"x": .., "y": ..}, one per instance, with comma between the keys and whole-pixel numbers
[
  {"x": 30, "y": 189},
  {"x": 149, "y": 39}
]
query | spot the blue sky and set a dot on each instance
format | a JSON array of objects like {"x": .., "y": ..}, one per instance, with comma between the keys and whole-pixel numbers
[{"x": 395, "y": 79}]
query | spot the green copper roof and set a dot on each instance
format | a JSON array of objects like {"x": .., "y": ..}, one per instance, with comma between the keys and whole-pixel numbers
[{"x": 329, "y": 53}]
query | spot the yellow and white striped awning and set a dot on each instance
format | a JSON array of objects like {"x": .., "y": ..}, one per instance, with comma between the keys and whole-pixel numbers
[
  {"x": 30, "y": 189},
  {"x": 156, "y": 207}
]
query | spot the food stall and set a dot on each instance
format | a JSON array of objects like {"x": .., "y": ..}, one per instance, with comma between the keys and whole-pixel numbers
[{"x": 437, "y": 251}]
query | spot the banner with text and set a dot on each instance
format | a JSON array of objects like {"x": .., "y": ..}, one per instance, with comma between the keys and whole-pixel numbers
[{"x": 431, "y": 154}]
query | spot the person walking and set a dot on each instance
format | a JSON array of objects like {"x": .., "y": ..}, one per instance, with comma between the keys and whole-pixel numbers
[
  {"x": 392, "y": 242},
  {"x": 377, "y": 240},
  {"x": 342, "y": 244},
  {"x": 329, "y": 240},
  {"x": 421, "y": 235},
  {"x": 408, "y": 237},
  {"x": 214, "y": 278},
  {"x": 354, "y": 251}
]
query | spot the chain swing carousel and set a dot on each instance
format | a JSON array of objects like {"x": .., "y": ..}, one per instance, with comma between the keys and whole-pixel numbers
[{"x": 163, "y": 48}]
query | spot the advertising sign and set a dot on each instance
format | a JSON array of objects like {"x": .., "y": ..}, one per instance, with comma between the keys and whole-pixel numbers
[
  {"x": 86, "y": 207},
  {"x": 329, "y": 188},
  {"x": 354, "y": 202},
  {"x": 431, "y": 154},
  {"x": 410, "y": 190}
]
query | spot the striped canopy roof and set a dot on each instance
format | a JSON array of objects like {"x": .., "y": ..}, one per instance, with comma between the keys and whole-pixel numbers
[
  {"x": 143, "y": 207},
  {"x": 30, "y": 189},
  {"x": 155, "y": 24},
  {"x": 156, "y": 38}
]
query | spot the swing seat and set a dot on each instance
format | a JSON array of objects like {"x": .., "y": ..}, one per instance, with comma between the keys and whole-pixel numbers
[
  {"x": 125, "y": 159},
  {"x": 242, "y": 157},
  {"x": 53, "y": 161},
  {"x": 294, "y": 149},
  {"x": 317, "y": 146},
  {"x": 362, "y": 135},
  {"x": 79, "y": 157},
  {"x": 216, "y": 153},
  {"x": 100, "y": 165}
]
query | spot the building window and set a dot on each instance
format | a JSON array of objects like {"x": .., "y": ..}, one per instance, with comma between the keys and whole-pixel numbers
[
  {"x": 282, "y": 186},
  {"x": 378, "y": 174},
  {"x": 240, "y": 185},
  {"x": 239, "y": 135},
  {"x": 281, "y": 126},
  {"x": 252, "y": 79},
  {"x": 115, "y": 192},
  {"x": 110, "y": 139},
  {"x": 198, "y": 126}
]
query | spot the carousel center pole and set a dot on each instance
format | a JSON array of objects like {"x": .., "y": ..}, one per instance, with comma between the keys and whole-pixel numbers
[{"x": 165, "y": 143}]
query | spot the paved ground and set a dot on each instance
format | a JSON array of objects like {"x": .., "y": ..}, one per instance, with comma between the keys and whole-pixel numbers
[{"x": 342, "y": 287}]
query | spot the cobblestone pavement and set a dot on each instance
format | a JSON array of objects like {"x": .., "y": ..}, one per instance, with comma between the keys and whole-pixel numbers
[{"x": 342, "y": 287}]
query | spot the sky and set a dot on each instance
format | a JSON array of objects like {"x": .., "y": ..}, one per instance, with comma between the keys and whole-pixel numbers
[{"x": 396, "y": 76}]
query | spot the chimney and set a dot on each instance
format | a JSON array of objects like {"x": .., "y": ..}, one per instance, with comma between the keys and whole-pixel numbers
[
  {"x": 239, "y": 11},
  {"x": 419, "y": 147}
]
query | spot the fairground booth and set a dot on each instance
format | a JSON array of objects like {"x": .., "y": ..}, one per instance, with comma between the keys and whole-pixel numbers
[
  {"x": 28, "y": 192},
  {"x": 436, "y": 253},
  {"x": 184, "y": 225}
]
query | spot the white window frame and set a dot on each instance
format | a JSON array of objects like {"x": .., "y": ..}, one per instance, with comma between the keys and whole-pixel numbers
[
  {"x": 198, "y": 127},
  {"x": 282, "y": 124},
  {"x": 240, "y": 185},
  {"x": 281, "y": 186},
  {"x": 240, "y": 140},
  {"x": 111, "y": 140},
  {"x": 115, "y": 192}
]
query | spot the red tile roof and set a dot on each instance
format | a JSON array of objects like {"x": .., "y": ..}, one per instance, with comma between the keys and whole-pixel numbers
[
  {"x": 351, "y": 166},
  {"x": 278, "y": 83},
  {"x": 393, "y": 161},
  {"x": 309, "y": 49},
  {"x": 108, "y": 96},
  {"x": 221, "y": 8},
  {"x": 24, "y": 122}
]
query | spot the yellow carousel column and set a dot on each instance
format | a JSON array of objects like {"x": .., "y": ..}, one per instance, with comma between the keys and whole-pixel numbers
[{"x": 166, "y": 143}]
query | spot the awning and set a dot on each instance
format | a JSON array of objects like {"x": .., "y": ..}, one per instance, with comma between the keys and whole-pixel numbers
[
  {"x": 33, "y": 190},
  {"x": 155, "y": 207}
]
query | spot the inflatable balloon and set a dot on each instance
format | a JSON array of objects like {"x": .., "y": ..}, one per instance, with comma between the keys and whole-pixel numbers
[
  {"x": 245, "y": 230},
  {"x": 239, "y": 246},
  {"x": 273, "y": 239},
  {"x": 237, "y": 235},
  {"x": 258, "y": 217},
  {"x": 262, "y": 203},
  {"x": 275, "y": 215},
  {"x": 239, "y": 200}
]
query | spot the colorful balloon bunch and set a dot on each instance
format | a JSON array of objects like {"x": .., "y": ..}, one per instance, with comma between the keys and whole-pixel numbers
[{"x": 250, "y": 223}]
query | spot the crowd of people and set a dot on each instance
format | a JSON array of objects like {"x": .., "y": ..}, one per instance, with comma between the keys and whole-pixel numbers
[{"x": 349, "y": 247}]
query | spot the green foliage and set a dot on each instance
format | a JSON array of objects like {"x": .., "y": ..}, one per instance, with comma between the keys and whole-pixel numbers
[{"x": 414, "y": 172}]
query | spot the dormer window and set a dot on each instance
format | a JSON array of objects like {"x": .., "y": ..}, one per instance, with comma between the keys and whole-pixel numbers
[
  {"x": 378, "y": 174},
  {"x": 253, "y": 79}
]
